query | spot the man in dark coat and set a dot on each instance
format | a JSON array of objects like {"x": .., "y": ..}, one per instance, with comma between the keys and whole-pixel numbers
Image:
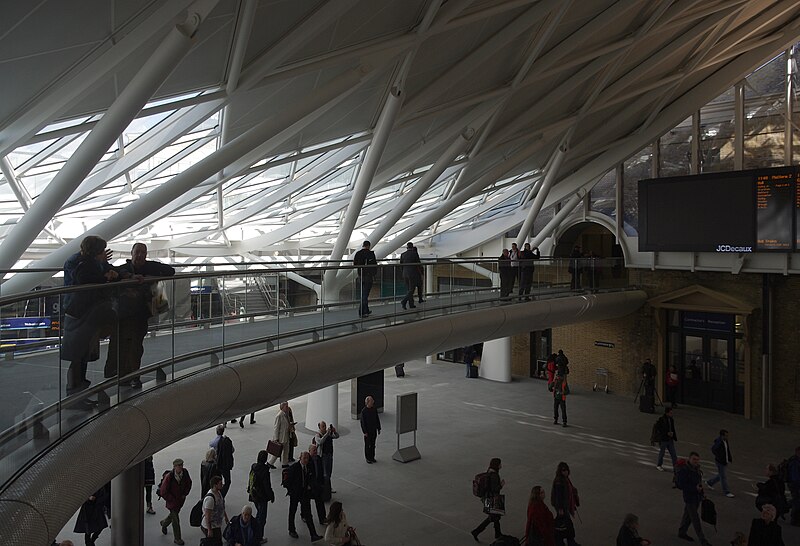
[
  {"x": 174, "y": 489},
  {"x": 409, "y": 260},
  {"x": 244, "y": 529},
  {"x": 690, "y": 481},
  {"x": 92, "y": 517},
  {"x": 367, "y": 265},
  {"x": 318, "y": 485},
  {"x": 134, "y": 309},
  {"x": 299, "y": 484},
  {"x": 371, "y": 427},
  {"x": 260, "y": 487},
  {"x": 506, "y": 274},
  {"x": 667, "y": 436},
  {"x": 526, "y": 268}
]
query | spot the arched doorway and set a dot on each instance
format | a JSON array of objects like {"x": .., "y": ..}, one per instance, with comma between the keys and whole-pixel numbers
[{"x": 592, "y": 237}]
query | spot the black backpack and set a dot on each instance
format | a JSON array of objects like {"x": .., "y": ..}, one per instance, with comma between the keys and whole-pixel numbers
[
  {"x": 480, "y": 484},
  {"x": 225, "y": 453},
  {"x": 708, "y": 512}
]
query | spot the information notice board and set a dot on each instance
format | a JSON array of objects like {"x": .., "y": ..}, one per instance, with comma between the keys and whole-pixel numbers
[
  {"x": 736, "y": 212},
  {"x": 775, "y": 199}
]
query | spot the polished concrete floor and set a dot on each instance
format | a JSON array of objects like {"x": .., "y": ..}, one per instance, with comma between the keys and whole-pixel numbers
[{"x": 462, "y": 424}]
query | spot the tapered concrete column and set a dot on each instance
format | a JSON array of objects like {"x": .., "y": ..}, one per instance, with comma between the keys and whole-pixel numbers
[
  {"x": 496, "y": 360},
  {"x": 323, "y": 405},
  {"x": 127, "y": 507}
]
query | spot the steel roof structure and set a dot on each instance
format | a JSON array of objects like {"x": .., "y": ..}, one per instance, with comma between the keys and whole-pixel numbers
[{"x": 240, "y": 129}]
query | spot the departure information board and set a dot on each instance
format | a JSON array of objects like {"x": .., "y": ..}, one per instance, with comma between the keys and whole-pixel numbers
[
  {"x": 738, "y": 212},
  {"x": 775, "y": 199}
]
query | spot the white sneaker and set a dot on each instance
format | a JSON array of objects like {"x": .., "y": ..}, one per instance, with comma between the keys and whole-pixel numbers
[
  {"x": 711, "y": 487},
  {"x": 729, "y": 495},
  {"x": 660, "y": 468}
]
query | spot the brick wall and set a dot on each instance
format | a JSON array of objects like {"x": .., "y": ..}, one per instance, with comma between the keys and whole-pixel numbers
[{"x": 635, "y": 338}]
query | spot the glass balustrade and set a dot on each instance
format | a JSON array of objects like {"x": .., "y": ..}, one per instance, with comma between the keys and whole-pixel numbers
[{"x": 68, "y": 354}]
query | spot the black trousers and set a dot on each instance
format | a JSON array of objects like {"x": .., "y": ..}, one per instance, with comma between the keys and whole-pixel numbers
[
  {"x": 369, "y": 445},
  {"x": 491, "y": 518},
  {"x": 411, "y": 285},
  {"x": 525, "y": 281},
  {"x": 559, "y": 403},
  {"x": 305, "y": 513}
]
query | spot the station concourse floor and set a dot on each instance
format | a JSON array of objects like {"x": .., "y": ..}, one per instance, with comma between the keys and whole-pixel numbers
[{"x": 465, "y": 422}]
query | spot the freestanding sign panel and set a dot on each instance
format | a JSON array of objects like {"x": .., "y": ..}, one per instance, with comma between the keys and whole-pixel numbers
[{"x": 406, "y": 422}]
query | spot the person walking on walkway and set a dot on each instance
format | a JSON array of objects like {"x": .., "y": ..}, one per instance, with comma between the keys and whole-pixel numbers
[
  {"x": 259, "y": 488},
  {"x": 208, "y": 469},
  {"x": 540, "y": 528},
  {"x": 281, "y": 435},
  {"x": 564, "y": 498},
  {"x": 92, "y": 518},
  {"x": 666, "y": 435},
  {"x": 722, "y": 456},
  {"x": 371, "y": 427},
  {"x": 214, "y": 514},
  {"x": 149, "y": 482},
  {"x": 299, "y": 484},
  {"x": 690, "y": 481},
  {"x": 367, "y": 267},
  {"x": 494, "y": 484},
  {"x": 225, "y": 452},
  {"x": 409, "y": 260},
  {"x": 174, "y": 489},
  {"x": 560, "y": 389}
]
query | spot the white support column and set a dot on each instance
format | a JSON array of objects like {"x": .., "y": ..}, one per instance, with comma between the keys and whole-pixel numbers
[
  {"x": 694, "y": 165},
  {"x": 365, "y": 175},
  {"x": 496, "y": 360},
  {"x": 544, "y": 190},
  {"x": 276, "y": 129},
  {"x": 565, "y": 211},
  {"x": 407, "y": 201},
  {"x": 788, "y": 132},
  {"x": 323, "y": 405},
  {"x": 738, "y": 120},
  {"x": 149, "y": 78}
]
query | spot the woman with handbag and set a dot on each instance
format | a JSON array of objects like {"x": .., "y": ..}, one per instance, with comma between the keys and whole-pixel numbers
[
  {"x": 564, "y": 498},
  {"x": 493, "y": 486},
  {"x": 539, "y": 529},
  {"x": 338, "y": 532}
]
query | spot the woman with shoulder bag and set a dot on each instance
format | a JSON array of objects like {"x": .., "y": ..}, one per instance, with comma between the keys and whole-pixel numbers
[
  {"x": 338, "y": 532},
  {"x": 539, "y": 529},
  {"x": 493, "y": 486},
  {"x": 564, "y": 498}
]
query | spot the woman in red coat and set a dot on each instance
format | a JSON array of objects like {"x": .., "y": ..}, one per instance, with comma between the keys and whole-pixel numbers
[{"x": 539, "y": 529}]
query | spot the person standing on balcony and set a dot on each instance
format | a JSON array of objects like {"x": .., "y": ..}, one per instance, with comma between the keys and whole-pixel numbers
[
  {"x": 88, "y": 315},
  {"x": 420, "y": 279},
  {"x": 409, "y": 260},
  {"x": 514, "y": 254},
  {"x": 527, "y": 257},
  {"x": 134, "y": 306},
  {"x": 506, "y": 274},
  {"x": 367, "y": 266}
]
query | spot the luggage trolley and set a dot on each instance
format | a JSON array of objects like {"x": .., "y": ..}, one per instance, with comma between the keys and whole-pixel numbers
[{"x": 600, "y": 372}]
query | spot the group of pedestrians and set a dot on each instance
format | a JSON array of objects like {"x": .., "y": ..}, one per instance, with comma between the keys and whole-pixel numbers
[
  {"x": 688, "y": 478},
  {"x": 120, "y": 314},
  {"x": 543, "y": 527},
  {"x": 517, "y": 265}
]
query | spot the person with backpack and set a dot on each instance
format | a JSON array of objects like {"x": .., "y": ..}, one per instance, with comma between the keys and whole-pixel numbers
[
  {"x": 491, "y": 485},
  {"x": 560, "y": 389},
  {"x": 224, "y": 447},
  {"x": 722, "y": 456},
  {"x": 689, "y": 480},
  {"x": 259, "y": 488},
  {"x": 175, "y": 487},
  {"x": 793, "y": 481},
  {"x": 244, "y": 529},
  {"x": 565, "y": 500},
  {"x": 665, "y": 434},
  {"x": 214, "y": 514}
]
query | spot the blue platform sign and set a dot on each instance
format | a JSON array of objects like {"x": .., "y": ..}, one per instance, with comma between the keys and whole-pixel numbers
[
  {"x": 714, "y": 322},
  {"x": 24, "y": 323}
]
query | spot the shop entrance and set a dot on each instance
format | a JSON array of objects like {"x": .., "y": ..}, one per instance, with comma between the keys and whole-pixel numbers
[{"x": 704, "y": 350}]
